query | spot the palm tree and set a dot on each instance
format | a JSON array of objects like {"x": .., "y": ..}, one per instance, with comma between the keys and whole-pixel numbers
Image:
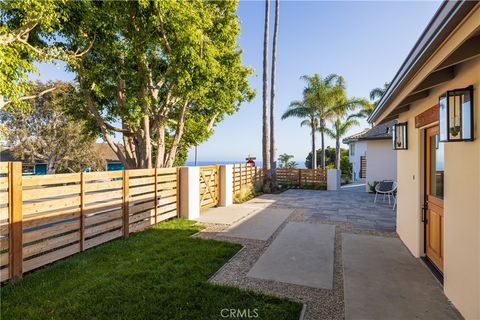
[
  {"x": 375, "y": 95},
  {"x": 272, "y": 97},
  {"x": 285, "y": 160},
  {"x": 265, "y": 129},
  {"x": 342, "y": 121},
  {"x": 304, "y": 110},
  {"x": 322, "y": 93}
]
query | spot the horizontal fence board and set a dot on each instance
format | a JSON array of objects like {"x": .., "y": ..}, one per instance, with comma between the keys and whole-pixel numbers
[
  {"x": 141, "y": 172},
  {"x": 141, "y": 216},
  {"x": 51, "y": 243},
  {"x": 44, "y": 219},
  {"x": 91, "y": 231},
  {"x": 90, "y": 243},
  {"x": 4, "y": 258},
  {"x": 142, "y": 181},
  {"x": 50, "y": 257},
  {"x": 139, "y": 190},
  {"x": 3, "y": 183},
  {"x": 50, "y": 231},
  {"x": 142, "y": 207},
  {"x": 87, "y": 176},
  {"x": 167, "y": 178},
  {"x": 29, "y": 181},
  {"x": 103, "y": 217},
  {"x": 4, "y": 274},
  {"x": 51, "y": 205},
  {"x": 102, "y": 196},
  {"x": 97, "y": 186},
  {"x": 102, "y": 206},
  {"x": 41, "y": 193}
]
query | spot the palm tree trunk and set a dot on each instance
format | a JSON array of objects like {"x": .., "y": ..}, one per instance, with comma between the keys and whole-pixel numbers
[
  {"x": 337, "y": 153},
  {"x": 314, "y": 151},
  {"x": 273, "y": 155},
  {"x": 323, "y": 149},
  {"x": 266, "y": 131}
]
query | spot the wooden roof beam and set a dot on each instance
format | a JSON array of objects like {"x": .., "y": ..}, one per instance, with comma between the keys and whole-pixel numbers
[{"x": 435, "y": 78}]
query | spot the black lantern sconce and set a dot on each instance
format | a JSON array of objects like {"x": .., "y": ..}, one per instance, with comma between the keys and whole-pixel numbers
[
  {"x": 456, "y": 115},
  {"x": 399, "y": 136}
]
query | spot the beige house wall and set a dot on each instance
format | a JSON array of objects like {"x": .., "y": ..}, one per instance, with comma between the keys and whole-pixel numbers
[
  {"x": 462, "y": 197},
  {"x": 381, "y": 161}
]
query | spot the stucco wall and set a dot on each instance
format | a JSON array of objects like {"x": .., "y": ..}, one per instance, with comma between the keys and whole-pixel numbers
[
  {"x": 461, "y": 203},
  {"x": 381, "y": 161},
  {"x": 360, "y": 150}
]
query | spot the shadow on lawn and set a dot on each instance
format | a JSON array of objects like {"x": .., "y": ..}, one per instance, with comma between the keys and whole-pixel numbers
[{"x": 160, "y": 273}]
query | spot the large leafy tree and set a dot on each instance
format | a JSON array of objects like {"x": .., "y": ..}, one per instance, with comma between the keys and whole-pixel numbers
[
  {"x": 157, "y": 74},
  {"x": 375, "y": 95},
  {"x": 286, "y": 161},
  {"x": 43, "y": 131},
  {"x": 26, "y": 31}
]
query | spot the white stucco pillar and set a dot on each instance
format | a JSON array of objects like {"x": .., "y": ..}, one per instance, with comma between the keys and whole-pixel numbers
[
  {"x": 226, "y": 185},
  {"x": 189, "y": 192},
  {"x": 333, "y": 179}
]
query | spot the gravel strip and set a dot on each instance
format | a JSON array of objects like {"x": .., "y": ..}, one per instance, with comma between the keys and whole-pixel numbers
[{"x": 320, "y": 303}]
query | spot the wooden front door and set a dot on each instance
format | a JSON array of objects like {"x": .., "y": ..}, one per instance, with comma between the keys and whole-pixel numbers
[{"x": 434, "y": 177}]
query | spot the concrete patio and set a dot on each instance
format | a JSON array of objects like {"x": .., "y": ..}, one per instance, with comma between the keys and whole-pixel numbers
[{"x": 335, "y": 251}]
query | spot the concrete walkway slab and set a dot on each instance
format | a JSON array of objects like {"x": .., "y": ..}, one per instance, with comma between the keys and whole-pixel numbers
[
  {"x": 302, "y": 254},
  {"x": 260, "y": 225},
  {"x": 382, "y": 280},
  {"x": 226, "y": 215}
]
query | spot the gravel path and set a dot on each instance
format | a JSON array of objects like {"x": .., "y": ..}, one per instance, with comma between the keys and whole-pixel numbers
[{"x": 320, "y": 303}]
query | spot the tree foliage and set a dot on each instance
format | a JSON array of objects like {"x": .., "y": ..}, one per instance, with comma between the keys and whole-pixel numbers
[
  {"x": 286, "y": 161},
  {"x": 345, "y": 165},
  {"x": 157, "y": 74},
  {"x": 44, "y": 132}
]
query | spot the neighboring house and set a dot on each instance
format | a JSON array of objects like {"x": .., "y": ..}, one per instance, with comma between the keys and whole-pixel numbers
[
  {"x": 28, "y": 168},
  {"x": 40, "y": 168},
  {"x": 357, "y": 154},
  {"x": 372, "y": 155},
  {"x": 438, "y": 214},
  {"x": 110, "y": 157}
]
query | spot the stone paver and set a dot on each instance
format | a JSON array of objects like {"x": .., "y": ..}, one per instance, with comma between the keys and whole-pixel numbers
[
  {"x": 383, "y": 280},
  {"x": 226, "y": 215},
  {"x": 302, "y": 254},
  {"x": 351, "y": 204},
  {"x": 260, "y": 225}
]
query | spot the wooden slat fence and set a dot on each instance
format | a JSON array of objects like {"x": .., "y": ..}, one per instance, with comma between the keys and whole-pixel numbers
[
  {"x": 245, "y": 175},
  {"x": 301, "y": 177},
  {"x": 47, "y": 218}
]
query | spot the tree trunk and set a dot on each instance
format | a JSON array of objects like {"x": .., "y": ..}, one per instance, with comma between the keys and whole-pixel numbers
[
  {"x": 266, "y": 131},
  {"x": 323, "y": 148},
  {"x": 337, "y": 153},
  {"x": 273, "y": 155},
  {"x": 314, "y": 151}
]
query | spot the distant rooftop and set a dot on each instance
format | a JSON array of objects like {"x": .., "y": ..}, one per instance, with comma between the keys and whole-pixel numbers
[{"x": 380, "y": 132}]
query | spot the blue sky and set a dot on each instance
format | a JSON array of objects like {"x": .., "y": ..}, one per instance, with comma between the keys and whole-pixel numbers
[{"x": 365, "y": 42}]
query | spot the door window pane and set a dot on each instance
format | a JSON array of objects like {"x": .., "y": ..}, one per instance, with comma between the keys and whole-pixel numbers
[{"x": 436, "y": 166}]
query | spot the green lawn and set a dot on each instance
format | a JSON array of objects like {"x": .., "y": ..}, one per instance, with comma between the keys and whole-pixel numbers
[{"x": 160, "y": 273}]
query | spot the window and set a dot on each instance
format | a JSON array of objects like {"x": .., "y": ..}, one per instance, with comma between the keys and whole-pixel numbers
[{"x": 352, "y": 149}]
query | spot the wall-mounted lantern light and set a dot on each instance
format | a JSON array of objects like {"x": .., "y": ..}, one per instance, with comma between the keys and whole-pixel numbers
[
  {"x": 456, "y": 115},
  {"x": 399, "y": 136}
]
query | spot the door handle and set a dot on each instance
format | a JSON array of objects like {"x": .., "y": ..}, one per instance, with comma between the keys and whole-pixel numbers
[{"x": 424, "y": 213}]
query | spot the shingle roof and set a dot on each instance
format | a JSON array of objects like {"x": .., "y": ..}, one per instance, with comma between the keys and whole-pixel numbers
[
  {"x": 354, "y": 137},
  {"x": 382, "y": 131}
]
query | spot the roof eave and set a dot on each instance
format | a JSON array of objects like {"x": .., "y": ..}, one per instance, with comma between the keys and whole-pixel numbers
[{"x": 440, "y": 26}]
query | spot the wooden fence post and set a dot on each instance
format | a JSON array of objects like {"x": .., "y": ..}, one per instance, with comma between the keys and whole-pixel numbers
[
  {"x": 82, "y": 209},
  {"x": 178, "y": 192},
  {"x": 15, "y": 218},
  {"x": 126, "y": 189},
  {"x": 156, "y": 196}
]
